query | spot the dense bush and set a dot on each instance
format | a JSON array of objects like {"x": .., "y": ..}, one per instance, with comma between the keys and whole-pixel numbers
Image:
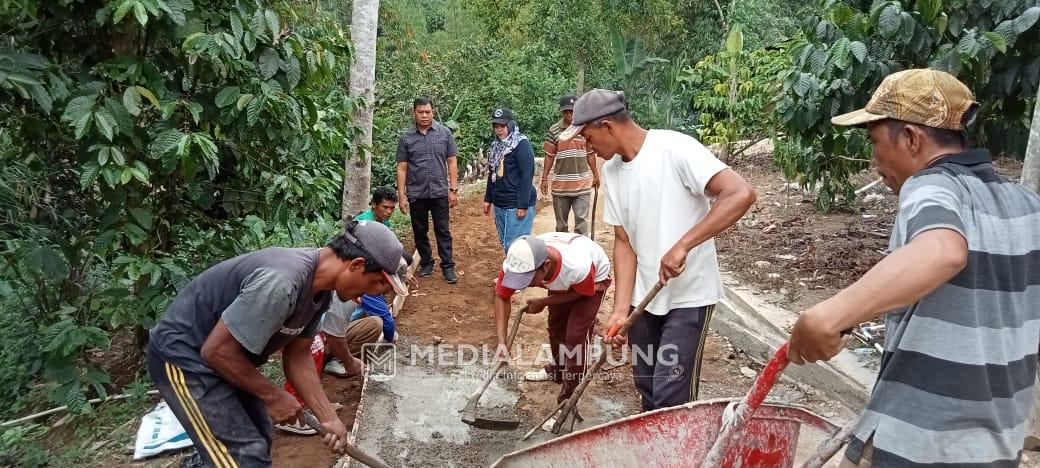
[
  {"x": 847, "y": 47},
  {"x": 143, "y": 140}
]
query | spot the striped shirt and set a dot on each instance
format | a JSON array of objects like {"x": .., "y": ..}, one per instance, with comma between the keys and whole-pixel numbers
[
  {"x": 956, "y": 381},
  {"x": 571, "y": 175}
]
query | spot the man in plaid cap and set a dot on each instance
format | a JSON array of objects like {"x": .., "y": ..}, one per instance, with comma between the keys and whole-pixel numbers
[
  {"x": 959, "y": 289},
  {"x": 667, "y": 197}
]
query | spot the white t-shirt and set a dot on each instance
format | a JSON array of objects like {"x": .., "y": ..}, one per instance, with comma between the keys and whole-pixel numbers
[
  {"x": 584, "y": 260},
  {"x": 584, "y": 263},
  {"x": 657, "y": 197}
]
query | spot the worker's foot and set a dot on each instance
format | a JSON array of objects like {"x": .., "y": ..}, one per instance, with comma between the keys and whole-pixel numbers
[
  {"x": 539, "y": 375},
  {"x": 449, "y": 275},
  {"x": 425, "y": 270},
  {"x": 548, "y": 425},
  {"x": 297, "y": 428},
  {"x": 193, "y": 461},
  {"x": 335, "y": 368}
]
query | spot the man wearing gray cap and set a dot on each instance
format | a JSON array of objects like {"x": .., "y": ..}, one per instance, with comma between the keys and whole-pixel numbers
[
  {"x": 227, "y": 322},
  {"x": 667, "y": 197}
]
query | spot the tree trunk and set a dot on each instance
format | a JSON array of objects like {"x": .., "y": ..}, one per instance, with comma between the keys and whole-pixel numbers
[
  {"x": 357, "y": 177},
  {"x": 1031, "y": 179},
  {"x": 581, "y": 77},
  {"x": 1031, "y": 168}
]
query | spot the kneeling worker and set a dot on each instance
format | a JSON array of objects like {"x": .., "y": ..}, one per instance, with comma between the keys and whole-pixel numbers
[{"x": 204, "y": 353}]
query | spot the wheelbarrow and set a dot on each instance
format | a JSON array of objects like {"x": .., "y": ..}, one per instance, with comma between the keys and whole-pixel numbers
[{"x": 721, "y": 432}]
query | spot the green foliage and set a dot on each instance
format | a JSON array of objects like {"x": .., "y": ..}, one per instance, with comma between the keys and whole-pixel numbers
[
  {"x": 141, "y": 141},
  {"x": 846, "y": 48},
  {"x": 733, "y": 93},
  {"x": 465, "y": 71}
]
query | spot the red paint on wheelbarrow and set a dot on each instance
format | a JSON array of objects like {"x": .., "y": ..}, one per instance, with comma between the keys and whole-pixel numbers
[{"x": 677, "y": 437}]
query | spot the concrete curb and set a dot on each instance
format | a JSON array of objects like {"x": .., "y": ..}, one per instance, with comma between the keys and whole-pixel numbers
[{"x": 759, "y": 328}]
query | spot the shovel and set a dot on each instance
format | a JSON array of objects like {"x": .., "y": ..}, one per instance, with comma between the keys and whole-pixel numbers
[
  {"x": 569, "y": 405},
  {"x": 469, "y": 413},
  {"x": 351, "y": 450},
  {"x": 595, "y": 201}
]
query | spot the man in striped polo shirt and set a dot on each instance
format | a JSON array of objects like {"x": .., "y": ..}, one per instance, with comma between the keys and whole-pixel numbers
[
  {"x": 570, "y": 169},
  {"x": 960, "y": 286}
]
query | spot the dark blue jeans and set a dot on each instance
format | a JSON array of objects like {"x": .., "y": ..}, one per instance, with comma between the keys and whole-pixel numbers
[{"x": 666, "y": 355}]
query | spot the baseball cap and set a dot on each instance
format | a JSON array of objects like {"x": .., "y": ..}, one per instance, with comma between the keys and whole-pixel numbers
[
  {"x": 922, "y": 96},
  {"x": 380, "y": 243},
  {"x": 501, "y": 116},
  {"x": 595, "y": 104},
  {"x": 567, "y": 102},
  {"x": 525, "y": 255}
]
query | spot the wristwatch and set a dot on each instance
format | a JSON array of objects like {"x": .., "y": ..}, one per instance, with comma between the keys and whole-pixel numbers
[{"x": 453, "y": 190}]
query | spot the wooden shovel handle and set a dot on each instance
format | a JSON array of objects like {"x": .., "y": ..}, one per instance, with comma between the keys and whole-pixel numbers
[{"x": 622, "y": 327}]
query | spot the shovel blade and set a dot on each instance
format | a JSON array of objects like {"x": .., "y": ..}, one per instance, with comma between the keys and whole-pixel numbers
[{"x": 492, "y": 424}]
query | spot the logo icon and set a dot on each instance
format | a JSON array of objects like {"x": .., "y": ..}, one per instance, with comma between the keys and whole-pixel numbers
[
  {"x": 380, "y": 359},
  {"x": 498, "y": 112}
]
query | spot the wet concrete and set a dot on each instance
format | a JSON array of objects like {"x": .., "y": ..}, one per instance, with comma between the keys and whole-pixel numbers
[{"x": 413, "y": 419}]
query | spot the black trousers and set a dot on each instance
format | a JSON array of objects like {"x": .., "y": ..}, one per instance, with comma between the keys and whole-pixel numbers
[
  {"x": 228, "y": 427},
  {"x": 666, "y": 355},
  {"x": 421, "y": 209}
]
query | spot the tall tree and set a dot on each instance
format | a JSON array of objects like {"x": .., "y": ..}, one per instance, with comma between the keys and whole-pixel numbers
[
  {"x": 357, "y": 178},
  {"x": 1031, "y": 168}
]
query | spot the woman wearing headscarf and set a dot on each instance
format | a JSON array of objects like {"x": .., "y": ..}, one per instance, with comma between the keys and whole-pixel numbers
[{"x": 510, "y": 173}]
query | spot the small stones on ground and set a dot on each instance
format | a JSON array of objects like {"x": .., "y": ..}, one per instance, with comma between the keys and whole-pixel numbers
[
  {"x": 762, "y": 264},
  {"x": 873, "y": 198},
  {"x": 748, "y": 372},
  {"x": 786, "y": 257},
  {"x": 784, "y": 291},
  {"x": 437, "y": 340},
  {"x": 774, "y": 276},
  {"x": 769, "y": 228}
]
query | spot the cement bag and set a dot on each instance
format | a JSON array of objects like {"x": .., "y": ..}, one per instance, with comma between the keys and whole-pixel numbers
[{"x": 160, "y": 431}]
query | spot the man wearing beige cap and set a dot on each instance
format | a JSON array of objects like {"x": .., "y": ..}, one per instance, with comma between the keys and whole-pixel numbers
[
  {"x": 960, "y": 286},
  {"x": 667, "y": 197}
]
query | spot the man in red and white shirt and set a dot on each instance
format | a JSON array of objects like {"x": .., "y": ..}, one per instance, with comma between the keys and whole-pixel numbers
[{"x": 576, "y": 271}]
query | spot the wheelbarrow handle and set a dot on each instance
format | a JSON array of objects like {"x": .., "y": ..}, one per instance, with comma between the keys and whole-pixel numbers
[{"x": 747, "y": 407}]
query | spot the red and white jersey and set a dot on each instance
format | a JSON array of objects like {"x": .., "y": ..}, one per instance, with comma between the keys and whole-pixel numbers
[{"x": 583, "y": 264}]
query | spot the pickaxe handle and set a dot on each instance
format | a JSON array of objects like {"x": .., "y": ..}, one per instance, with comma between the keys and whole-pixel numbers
[{"x": 351, "y": 450}]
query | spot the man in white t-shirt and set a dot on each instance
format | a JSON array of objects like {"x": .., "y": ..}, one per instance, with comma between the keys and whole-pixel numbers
[
  {"x": 667, "y": 197},
  {"x": 576, "y": 271}
]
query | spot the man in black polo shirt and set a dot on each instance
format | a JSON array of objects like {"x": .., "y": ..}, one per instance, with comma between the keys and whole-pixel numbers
[
  {"x": 204, "y": 353},
  {"x": 427, "y": 184}
]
